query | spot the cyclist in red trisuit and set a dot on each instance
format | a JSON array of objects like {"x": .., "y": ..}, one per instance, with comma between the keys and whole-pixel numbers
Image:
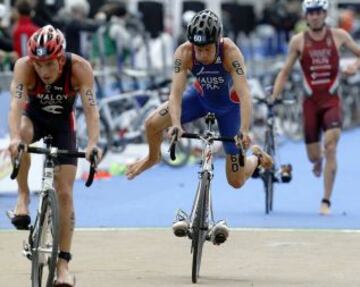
[{"x": 318, "y": 52}]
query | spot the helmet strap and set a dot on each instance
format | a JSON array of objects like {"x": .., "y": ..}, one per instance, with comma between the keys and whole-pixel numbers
[
  {"x": 317, "y": 29},
  {"x": 217, "y": 45},
  {"x": 61, "y": 61}
]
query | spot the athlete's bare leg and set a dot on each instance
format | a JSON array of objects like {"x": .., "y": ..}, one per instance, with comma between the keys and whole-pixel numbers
[
  {"x": 155, "y": 124},
  {"x": 314, "y": 153},
  {"x": 65, "y": 177},
  {"x": 237, "y": 175},
  {"x": 23, "y": 200},
  {"x": 331, "y": 139}
]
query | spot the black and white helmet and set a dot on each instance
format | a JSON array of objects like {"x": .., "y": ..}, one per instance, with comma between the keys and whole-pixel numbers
[
  {"x": 315, "y": 4},
  {"x": 204, "y": 28}
]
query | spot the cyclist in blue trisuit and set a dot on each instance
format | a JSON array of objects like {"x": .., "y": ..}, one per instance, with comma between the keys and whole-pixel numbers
[
  {"x": 43, "y": 93},
  {"x": 221, "y": 88}
]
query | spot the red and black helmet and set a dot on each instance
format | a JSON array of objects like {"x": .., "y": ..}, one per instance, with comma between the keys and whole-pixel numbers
[{"x": 46, "y": 43}]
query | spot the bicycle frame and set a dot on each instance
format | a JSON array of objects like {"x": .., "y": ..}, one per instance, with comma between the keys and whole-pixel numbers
[
  {"x": 205, "y": 170},
  {"x": 269, "y": 177}
]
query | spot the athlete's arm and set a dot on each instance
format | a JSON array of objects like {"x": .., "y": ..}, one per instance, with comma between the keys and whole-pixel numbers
[
  {"x": 289, "y": 63},
  {"x": 234, "y": 63},
  {"x": 182, "y": 58},
  {"x": 84, "y": 83},
  {"x": 19, "y": 94},
  {"x": 353, "y": 47}
]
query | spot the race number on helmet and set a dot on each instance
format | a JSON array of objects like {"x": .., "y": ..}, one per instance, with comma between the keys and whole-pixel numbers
[
  {"x": 204, "y": 28},
  {"x": 46, "y": 43}
]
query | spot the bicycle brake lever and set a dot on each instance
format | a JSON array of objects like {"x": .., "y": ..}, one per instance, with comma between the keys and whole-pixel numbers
[
  {"x": 17, "y": 161},
  {"x": 240, "y": 147},
  {"x": 173, "y": 142},
  {"x": 93, "y": 163}
]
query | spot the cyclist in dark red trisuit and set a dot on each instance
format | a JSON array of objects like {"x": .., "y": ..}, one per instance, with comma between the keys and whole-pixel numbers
[
  {"x": 43, "y": 91},
  {"x": 318, "y": 52}
]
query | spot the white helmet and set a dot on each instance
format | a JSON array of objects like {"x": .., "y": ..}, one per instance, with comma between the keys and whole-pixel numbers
[{"x": 315, "y": 4}]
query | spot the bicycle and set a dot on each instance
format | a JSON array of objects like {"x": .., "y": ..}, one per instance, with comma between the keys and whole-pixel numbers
[
  {"x": 201, "y": 221},
  {"x": 272, "y": 175},
  {"x": 122, "y": 119},
  {"x": 42, "y": 246}
]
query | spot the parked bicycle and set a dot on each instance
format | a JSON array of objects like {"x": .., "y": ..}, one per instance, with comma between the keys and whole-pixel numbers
[
  {"x": 200, "y": 225},
  {"x": 122, "y": 120},
  {"x": 275, "y": 174},
  {"x": 349, "y": 91},
  {"x": 42, "y": 245}
]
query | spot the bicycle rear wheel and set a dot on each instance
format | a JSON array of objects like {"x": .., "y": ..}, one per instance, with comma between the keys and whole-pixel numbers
[
  {"x": 46, "y": 242},
  {"x": 200, "y": 226}
]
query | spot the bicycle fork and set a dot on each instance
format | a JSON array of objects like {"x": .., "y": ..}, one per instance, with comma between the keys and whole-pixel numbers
[
  {"x": 209, "y": 215},
  {"x": 28, "y": 246}
]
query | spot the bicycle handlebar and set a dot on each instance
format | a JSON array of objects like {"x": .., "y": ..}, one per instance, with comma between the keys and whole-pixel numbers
[
  {"x": 278, "y": 101},
  {"x": 201, "y": 137},
  {"x": 38, "y": 150}
]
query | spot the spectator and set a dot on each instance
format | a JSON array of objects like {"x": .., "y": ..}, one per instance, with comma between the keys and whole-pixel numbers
[
  {"x": 5, "y": 37},
  {"x": 76, "y": 22},
  {"x": 45, "y": 14},
  {"x": 23, "y": 28}
]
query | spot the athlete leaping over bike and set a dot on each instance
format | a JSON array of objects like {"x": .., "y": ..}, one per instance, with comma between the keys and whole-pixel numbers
[{"x": 221, "y": 86}]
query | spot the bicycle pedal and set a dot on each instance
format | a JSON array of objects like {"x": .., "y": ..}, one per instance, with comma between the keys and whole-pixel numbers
[
  {"x": 28, "y": 255},
  {"x": 276, "y": 179},
  {"x": 27, "y": 251},
  {"x": 286, "y": 179}
]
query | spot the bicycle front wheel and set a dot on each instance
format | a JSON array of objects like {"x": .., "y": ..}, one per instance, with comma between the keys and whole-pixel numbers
[
  {"x": 46, "y": 242},
  {"x": 269, "y": 191},
  {"x": 269, "y": 174},
  {"x": 200, "y": 226}
]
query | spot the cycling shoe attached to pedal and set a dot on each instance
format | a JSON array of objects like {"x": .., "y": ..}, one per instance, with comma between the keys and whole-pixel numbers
[
  {"x": 219, "y": 232},
  {"x": 180, "y": 226},
  {"x": 286, "y": 173}
]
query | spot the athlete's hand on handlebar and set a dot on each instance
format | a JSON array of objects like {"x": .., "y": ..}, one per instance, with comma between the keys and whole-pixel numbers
[
  {"x": 243, "y": 140},
  {"x": 98, "y": 152},
  {"x": 14, "y": 147},
  {"x": 175, "y": 130}
]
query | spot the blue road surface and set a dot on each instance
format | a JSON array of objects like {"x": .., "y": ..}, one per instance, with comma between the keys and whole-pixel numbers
[{"x": 151, "y": 200}]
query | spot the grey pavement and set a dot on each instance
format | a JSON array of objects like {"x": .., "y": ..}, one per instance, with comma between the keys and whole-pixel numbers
[{"x": 154, "y": 257}]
